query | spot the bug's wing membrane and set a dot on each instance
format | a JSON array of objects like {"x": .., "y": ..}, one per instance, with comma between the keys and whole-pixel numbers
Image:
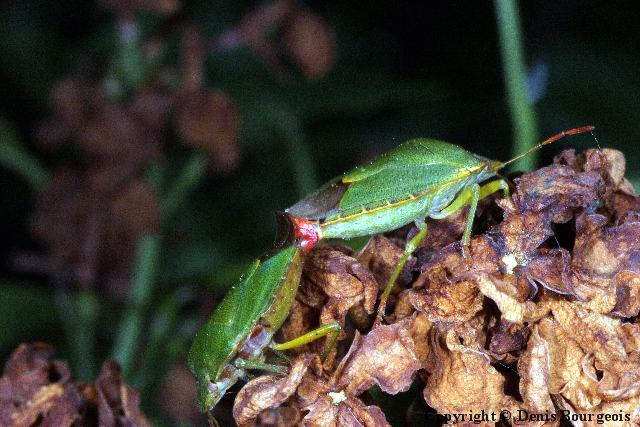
[{"x": 321, "y": 203}]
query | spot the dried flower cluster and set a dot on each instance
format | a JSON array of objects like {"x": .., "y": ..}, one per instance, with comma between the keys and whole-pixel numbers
[
  {"x": 306, "y": 39},
  {"x": 37, "y": 390},
  {"x": 527, "y": 327},
  {"x": 93, "y": 212},
  {"x": 91, "y": 215}
]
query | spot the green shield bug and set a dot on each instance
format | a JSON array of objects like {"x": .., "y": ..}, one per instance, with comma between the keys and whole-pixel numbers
[
  {"x": 418, "y": 179},
  {"x": 243, "y": 325}
]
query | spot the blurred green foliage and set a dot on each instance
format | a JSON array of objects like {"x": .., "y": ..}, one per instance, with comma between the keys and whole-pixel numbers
[{"x": 404, "y": 69}]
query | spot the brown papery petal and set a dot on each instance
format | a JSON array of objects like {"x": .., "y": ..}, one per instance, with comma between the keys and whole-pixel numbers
[
  {"x": 349, "y": 413},
  {"x": 311, "y": 43},
  {"x": 533, "y": 368},
  {"x": 343, "y": 279},
  {"x": 465, "y": 381},
  {"x": 268, "y": 391},
  {"x": 456, "y": 302},
  {"x": 385, "y": 357}
]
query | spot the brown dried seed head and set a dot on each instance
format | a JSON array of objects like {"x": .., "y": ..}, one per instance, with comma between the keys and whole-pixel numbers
[
  {"x": 208, "y": 119},
  {"x": 34, "y": 389},
  {"x": 311, "y": 43}
]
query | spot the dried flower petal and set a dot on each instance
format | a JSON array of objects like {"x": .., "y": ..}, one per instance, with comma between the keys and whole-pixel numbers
[
  {"x": 552, "y": 269},
  {"x": 533, "y": 367},
  {"x": 555, "y": 189},
  {"x": 567, "y": 376},
  {"x": 311, "y": 43},
  {"x": 345, "y": 281},
  {"x": 349, "y": 413},
  {"x": 209, "y": 120},
  {"x": 118, "y": 402},
  {"x": 35, "y": 390},
  {"x": 464, "y": 380},
  {"x": 457, "y": 302},
  {"x": 507, "y": 296},
  {"x": 385, "y": 357},
  {"x": 509, "y": 337},
  {"x": 268, "y": 391},
  {"x": 594, "y": 332},
  {"x": 380, "y": 256}
]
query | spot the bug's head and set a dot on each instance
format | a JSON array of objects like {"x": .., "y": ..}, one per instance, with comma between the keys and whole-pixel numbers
[
  {"x": 211, "y": 392},
  {"x": 493, "y": 166}
]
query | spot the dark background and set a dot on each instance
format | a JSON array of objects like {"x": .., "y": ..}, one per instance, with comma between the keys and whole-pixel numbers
[{"x": 402, "y": 69}]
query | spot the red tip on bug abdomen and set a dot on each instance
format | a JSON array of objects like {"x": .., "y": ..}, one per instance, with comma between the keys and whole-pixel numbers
[{"x": 305, "y": 231}]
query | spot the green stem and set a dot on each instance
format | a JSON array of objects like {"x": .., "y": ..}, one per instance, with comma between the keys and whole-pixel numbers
[
  {"x": 303, "y": 167},
  {"x": 14, "y": 157},
  {"x": 146, "y": 263},
  {"x": 189, "y": 177},
  {"x": 290, "y": 129},
  {"x": 522, "y": 113},
  {"x": 79, "y": 313}
]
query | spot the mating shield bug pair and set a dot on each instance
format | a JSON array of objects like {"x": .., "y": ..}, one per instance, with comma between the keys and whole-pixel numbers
[{"x": 422, "y": 178}]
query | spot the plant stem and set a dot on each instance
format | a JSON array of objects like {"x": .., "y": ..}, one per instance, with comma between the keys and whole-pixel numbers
[
  {"x": 14, "y": 157},
  {"x": 79, "y": 314},
  {"x": 189, "y": 177},
  {"x": 303, "y": 166},
  {"x": 522, "y": 113},
  {"x": 288, "y": 126},
  {"x": 146, "y": 263}
]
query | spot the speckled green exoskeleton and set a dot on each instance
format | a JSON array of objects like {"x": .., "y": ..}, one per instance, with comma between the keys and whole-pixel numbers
[
  {"x": 418, "y": 179},
  {"x": 242, "y": 327}
]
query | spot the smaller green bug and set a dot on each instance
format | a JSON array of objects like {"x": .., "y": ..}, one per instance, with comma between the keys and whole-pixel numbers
[
  {"x": 242, "y": 327},
  {"x": 422, "y": 178}
]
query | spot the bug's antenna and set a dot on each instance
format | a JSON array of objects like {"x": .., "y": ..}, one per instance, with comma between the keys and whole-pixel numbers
[
  {"x": 596, "y": 139},
  {"x": 554, "y": 138}
]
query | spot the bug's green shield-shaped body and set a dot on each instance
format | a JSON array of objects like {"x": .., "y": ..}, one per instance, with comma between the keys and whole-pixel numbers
[
  {"x": 263, "y": 296},
  {"x": 415, "y": 180}
]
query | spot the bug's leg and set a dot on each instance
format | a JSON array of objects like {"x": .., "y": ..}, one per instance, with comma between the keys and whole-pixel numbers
[
  {"x": 466, "y": 236},
  {"x": 252, "y": 364},
  {"x": 308, "y": 337},
  {"x": 464, "y": 197},
  {"x": 212, "y": 421},
  {"x": 411, "y": 246},
  {"x": 332, "y": 341},
  {"x": 493, "y": 186},
  {"x": 281, "y": 355},
  {"x": 470, "y": 196}
]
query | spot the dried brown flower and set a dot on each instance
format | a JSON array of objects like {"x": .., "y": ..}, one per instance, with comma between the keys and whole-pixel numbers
[
  {"x": 310, "y": 42},
  {"x": 38, "y": 391},
  {"x": 307, "y": 40},
  {"x": 208, "y": 119}
]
